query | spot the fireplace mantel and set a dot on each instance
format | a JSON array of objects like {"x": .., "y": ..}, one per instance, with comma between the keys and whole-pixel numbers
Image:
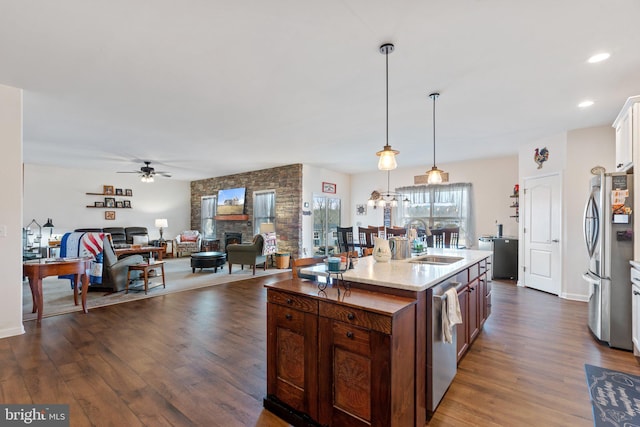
[{"x": 231, "y": 217}]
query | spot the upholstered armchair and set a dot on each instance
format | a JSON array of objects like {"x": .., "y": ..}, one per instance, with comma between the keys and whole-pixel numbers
[
  {"x": 187, "y": 242},
  {"x": 247, "y": 254}
]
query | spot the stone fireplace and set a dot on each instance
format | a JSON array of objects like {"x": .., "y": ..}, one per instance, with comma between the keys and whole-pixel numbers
[{"x": 231, "y": 237}]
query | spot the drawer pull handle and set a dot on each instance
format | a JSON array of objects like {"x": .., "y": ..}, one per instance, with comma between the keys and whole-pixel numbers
[
  {"x": 289, "y": 301},
  {"x": 351, "y": 316},
  {"x": 288, "y": 316},
  {"x": 349, "y": 334}
]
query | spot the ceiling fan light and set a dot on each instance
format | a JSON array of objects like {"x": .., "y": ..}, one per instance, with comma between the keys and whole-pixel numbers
[
  {"x": 387, "y": 160},
  {"x": 382, "y": 203},
  {"x": 434, "y": 176}
]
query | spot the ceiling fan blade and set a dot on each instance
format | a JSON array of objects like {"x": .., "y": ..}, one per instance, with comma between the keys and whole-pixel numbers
[{"x": 128, "y": 172}]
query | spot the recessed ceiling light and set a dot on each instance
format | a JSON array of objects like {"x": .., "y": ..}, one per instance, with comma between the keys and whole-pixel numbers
[
  {"x": 599, "y": 57},
  {"x": 585, "y": 104}
]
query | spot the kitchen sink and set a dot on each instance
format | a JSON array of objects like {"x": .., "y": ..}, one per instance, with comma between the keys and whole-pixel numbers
[{"x": 436, "y": 259}]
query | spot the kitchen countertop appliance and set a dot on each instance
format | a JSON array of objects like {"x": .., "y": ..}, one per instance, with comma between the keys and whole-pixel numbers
[
  {"x": 400, "y": 247},
  {"x": 608, "y": 234}
]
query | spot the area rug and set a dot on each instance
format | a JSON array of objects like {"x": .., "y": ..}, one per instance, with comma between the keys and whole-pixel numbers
[
  {"x": 58, "y": 295},
  {"x": 615, "y": 397}
]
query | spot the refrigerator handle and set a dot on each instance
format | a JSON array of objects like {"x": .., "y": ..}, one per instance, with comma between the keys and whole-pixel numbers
[
  {"x": 590, "y": 278},
  {"x": 590, "y": 232}
]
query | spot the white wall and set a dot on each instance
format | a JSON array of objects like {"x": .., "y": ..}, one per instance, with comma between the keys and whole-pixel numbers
[
  {"x": 312, "y": 179},
  {"x": 586, "y": 148},
  {"x": 572, "y": 154},
  {"x": 492, "y": 180},
  {"x": 60, "y": 194},
  {"x": 11, "y": 211}
]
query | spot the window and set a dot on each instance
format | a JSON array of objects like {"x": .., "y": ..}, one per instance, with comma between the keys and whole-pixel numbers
[
  {"x": 264, "y": 208},
  {"x": 326, "y": 220},
  {"x": 440, "y": 206},
  {"x": 208, "y": 209}
]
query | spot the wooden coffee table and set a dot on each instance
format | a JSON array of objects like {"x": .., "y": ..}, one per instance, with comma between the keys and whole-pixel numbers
[{"x": 145, "y": 267}]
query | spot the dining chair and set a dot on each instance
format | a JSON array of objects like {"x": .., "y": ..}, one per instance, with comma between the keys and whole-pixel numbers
[
  {"x": 345, "y": 239},
  {"x": 393, "y": 231},
  {"x": 366, "y": 235},
  {"x": 296, "y": 264},
  {"x": 451, "y": 235}
]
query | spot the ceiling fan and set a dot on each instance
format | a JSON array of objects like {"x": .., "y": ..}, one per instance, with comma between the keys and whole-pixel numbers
[{"x": 147, "y": 172}]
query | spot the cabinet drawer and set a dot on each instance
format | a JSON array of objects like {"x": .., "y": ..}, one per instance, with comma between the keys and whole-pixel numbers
[
  {"x": 474, "y": 271},
  {"x": 289, "y": 318},
  {"x": 354, "y": 316},
  {"x": 351, "y": 337},
  {"x": 294, "y": 301}
]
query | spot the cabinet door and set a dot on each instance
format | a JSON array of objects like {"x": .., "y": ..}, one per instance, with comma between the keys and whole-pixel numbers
[
  {"x": 462, "y": 329},
  {"x": 482, "y": 302},
  {"x": 635, "y": 315},
  {"x": 345, "y": 374},
  {"x": 473, "y": 304},
  {"x": 292, "y": 357},
  {"x": 624, "y": 141}
]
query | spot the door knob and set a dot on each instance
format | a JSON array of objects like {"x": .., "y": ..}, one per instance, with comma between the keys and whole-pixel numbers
[{"x": 555, "y": 240}]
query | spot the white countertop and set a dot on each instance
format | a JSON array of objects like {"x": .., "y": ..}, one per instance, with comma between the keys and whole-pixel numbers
[{"x": 402, "y": 274}]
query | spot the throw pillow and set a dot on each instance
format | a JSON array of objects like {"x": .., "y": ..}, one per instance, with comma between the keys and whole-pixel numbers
[
  {"x": 188, "y": 237},
  {"x": 141, "y": 240}
]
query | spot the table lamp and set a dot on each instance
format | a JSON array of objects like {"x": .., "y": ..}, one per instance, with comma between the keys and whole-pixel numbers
[{"x": 161, "y": 223}]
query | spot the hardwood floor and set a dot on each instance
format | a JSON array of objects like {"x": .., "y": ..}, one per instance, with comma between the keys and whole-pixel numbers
[{"x": 197, "y": 358}]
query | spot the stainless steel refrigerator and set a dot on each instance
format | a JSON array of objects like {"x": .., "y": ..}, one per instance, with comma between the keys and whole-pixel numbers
[{"x": 608, "y": 233}]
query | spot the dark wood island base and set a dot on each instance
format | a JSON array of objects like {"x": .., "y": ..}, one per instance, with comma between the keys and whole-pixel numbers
[{"x": 364, "y": 356}]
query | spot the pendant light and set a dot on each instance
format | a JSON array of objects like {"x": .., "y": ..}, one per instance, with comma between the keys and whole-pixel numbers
[
  {"x": 434, "y": 176},
  {"x": 387, "y": 155}
]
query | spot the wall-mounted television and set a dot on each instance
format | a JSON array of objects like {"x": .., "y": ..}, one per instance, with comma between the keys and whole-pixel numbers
[{"x": 231, "y": 201}]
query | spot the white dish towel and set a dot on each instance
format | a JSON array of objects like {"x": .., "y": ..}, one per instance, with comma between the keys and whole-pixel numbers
[{"x": 451, "y": 315}]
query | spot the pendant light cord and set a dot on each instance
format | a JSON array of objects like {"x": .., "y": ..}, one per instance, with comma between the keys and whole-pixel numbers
[
  {"x": 386, "y": 55},
  {"x": 434, "y": 129}
]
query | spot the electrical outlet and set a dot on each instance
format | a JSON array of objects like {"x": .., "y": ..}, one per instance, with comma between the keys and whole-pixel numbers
[{"x": 3, "y": 231}]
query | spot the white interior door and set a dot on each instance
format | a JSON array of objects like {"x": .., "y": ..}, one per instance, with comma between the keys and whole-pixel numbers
[{"x": 542, "y": 215}]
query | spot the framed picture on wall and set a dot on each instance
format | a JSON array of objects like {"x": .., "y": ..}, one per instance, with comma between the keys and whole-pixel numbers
[
  {"x": 107, "y": 189},
  {"x": 118, "y": 191},
  {"x": 127, "y": 203},
  {"x": 361, "y": 209},
  {"x": 128, "y": 192},
  {"x": 110, "y": 202},
  {"x": 328, "y": 187},
  {"x": 119, "y": 204},
  {"x": 110, "y": 215}
]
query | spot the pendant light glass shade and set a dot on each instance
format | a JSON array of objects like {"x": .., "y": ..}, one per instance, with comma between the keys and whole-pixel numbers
[
  {"x": 434, "y": 176},
  {"x": 387, "y": 155},
  {"x": 387, "y": 160}
]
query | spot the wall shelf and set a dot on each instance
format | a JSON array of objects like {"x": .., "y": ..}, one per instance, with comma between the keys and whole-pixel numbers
[
  {"x": 516, "y": 206},
  {"x": 109, "y": 195},
  {"x": 106, "y": 207},
  {"x": 231, "y": 217}
]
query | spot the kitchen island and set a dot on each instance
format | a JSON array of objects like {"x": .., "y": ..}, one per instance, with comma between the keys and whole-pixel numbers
[{"x": 369, "y": 351}]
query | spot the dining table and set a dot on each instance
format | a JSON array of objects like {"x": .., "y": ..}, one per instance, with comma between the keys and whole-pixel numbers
[{"x": 36, "y": 270}]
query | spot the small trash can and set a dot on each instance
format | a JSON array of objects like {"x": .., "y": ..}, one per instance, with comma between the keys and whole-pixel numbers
[{"x": 282, "y": 259}]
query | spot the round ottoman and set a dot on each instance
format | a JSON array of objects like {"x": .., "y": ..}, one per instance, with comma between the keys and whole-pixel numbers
[{"x": 207, "y": 260}]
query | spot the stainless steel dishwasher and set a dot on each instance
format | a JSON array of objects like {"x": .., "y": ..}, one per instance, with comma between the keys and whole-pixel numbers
[{"x": 442, "y": 359}]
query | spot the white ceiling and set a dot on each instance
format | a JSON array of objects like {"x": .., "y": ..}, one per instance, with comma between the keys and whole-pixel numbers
[{"x": 210, "y": 88}]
